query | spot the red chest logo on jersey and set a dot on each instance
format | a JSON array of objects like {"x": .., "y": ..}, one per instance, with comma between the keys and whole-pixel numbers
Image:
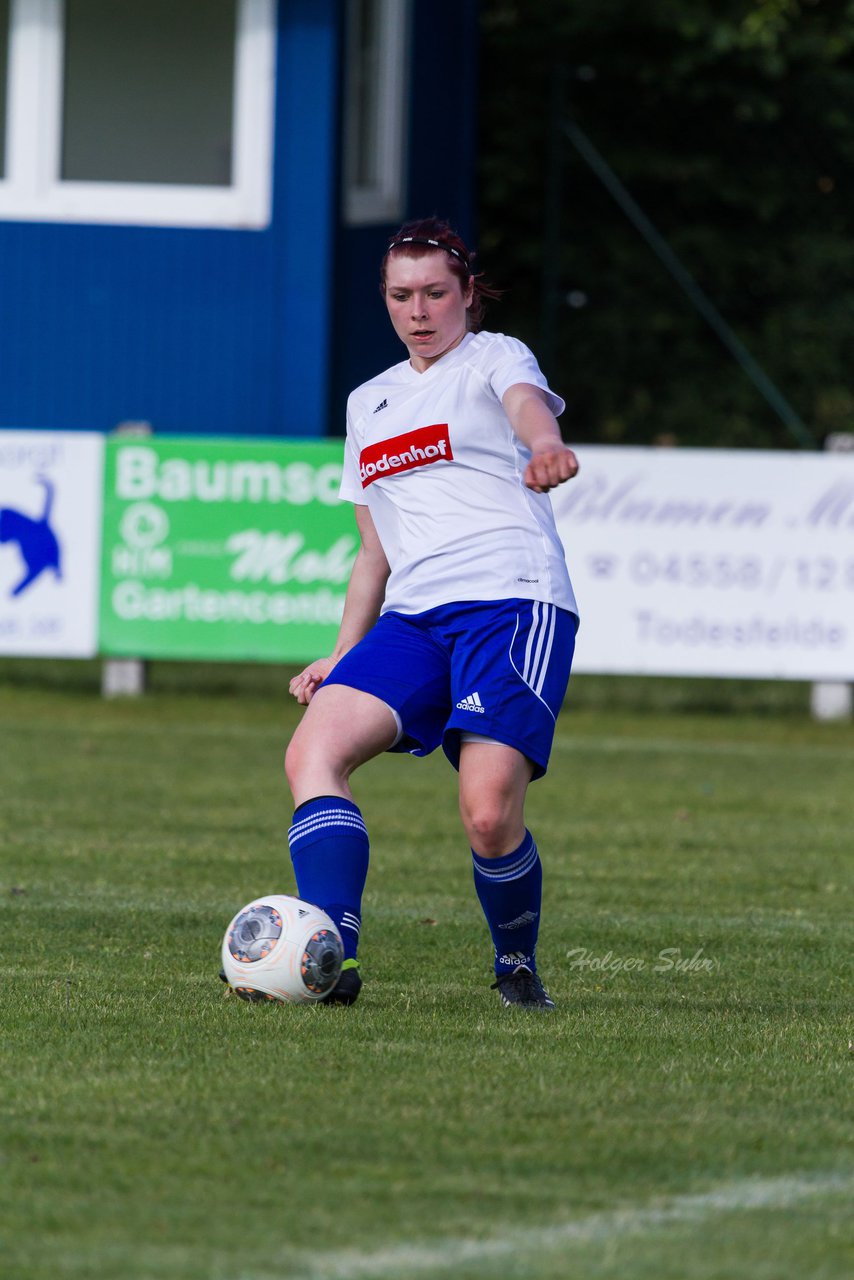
[{"x": 404, "y": 453}]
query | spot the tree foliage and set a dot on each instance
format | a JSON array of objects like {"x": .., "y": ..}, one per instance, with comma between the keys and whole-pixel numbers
[{"x": 731, "y": 123}]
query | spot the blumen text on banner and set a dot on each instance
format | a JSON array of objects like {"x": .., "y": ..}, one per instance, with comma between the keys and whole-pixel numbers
[{"x": 712, "y": 562}]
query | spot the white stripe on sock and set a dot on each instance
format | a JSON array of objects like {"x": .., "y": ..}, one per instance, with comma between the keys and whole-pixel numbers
[
  {"x": 514, "y": 871},
  {"x": 342, "y": 819}
]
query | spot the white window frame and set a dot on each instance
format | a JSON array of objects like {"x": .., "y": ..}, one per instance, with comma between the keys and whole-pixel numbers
[
  {"x": 32, "y": 188},
  {"x": 384, "y": 200}
]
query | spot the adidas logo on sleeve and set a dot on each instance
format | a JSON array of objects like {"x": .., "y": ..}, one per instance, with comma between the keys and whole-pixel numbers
[{"x": 472, "y": 703}]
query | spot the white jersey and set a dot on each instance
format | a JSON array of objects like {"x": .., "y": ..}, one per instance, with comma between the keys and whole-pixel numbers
[{"x": 434, "y": 458}]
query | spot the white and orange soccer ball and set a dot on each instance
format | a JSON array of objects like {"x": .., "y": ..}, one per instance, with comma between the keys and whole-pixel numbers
[{"x": 282, "y": 949}]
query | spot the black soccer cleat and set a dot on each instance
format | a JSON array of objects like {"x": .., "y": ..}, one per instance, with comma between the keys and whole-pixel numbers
[
  {"x": 523, "y": 989},
  {"x": 348, "y": 986}
]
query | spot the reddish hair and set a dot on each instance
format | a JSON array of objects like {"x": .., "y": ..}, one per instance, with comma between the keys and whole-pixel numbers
[{"x": 423, "y": 236}]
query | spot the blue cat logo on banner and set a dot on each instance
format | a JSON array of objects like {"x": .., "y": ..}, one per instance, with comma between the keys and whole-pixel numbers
[
  {"x": 35, "y": 539},
  {"x": 50, "y": 530}
]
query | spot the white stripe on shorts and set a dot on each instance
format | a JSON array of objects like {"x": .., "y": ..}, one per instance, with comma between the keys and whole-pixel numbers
[
  {"x": 538, "y": 649},
  {"x": 547, "y": 648}
]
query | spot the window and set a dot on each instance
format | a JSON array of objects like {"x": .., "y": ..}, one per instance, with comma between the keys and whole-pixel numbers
[
  {"x": 148, "y": 92},
  {"x": 375, "y": 110},
  {"x": 140, "y": 113}
]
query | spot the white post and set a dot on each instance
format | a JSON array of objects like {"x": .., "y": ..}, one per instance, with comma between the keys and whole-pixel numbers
[
  {"x": 122, "y": 678},
  {"x": 125, "y": 677},
  {"x": 833, "y": 700}
]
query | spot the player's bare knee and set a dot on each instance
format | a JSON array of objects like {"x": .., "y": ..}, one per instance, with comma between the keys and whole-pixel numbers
[
  {"x": 489, "y": 827},
  {"x": 303, "y": 754},
  {"x": 294, "y": 762}
]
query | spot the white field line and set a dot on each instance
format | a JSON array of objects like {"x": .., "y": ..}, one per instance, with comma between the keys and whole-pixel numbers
[{"x": 447, "y": 1254}]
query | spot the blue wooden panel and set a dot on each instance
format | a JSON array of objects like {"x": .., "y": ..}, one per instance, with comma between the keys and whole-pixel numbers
[
  {"x": 98, "y": 324},
  {"x": 305, "y": 209},
  {"x": 212, "y": 331}
]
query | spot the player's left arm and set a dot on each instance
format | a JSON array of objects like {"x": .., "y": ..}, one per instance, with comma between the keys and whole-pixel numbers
[{"x": 552, "y": 462}]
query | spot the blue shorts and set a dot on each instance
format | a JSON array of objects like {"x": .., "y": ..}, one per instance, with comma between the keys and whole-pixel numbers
[{"x": 497, "y": 669}]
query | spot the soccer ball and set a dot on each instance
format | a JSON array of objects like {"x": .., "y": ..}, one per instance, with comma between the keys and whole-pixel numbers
[{"x": 280, "y": 948}]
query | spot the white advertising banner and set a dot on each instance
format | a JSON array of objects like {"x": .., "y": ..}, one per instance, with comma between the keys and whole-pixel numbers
[
  {"x": 51, "y": 494},
  {"x": 712, "y": 562}
]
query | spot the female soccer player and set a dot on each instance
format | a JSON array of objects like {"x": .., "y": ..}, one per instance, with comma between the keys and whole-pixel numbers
[{"x": 459, "y": 620}]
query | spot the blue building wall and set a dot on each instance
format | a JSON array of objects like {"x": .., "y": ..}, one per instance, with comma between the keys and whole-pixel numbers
[
  {"x": 222, "y": 331},
  {"x": 239, "y": 332}
]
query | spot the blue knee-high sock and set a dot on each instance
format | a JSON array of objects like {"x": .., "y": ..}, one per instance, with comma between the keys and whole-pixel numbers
[
  {"x": 510, "y": 892},
  {"x": 329, "y": 849}
]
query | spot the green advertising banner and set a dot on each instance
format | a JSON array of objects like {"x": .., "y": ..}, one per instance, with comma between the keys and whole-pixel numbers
[{"x": 223, "y": 549}]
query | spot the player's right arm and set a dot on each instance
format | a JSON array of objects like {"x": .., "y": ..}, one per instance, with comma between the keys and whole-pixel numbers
[{"x": 362, "y": 605}]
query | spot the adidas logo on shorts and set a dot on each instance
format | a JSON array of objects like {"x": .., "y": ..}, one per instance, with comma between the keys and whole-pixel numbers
[{"x": 472, "y": 703}]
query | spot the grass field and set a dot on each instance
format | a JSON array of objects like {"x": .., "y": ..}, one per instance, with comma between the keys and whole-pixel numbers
[{"x": 688, "y": 1122}]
